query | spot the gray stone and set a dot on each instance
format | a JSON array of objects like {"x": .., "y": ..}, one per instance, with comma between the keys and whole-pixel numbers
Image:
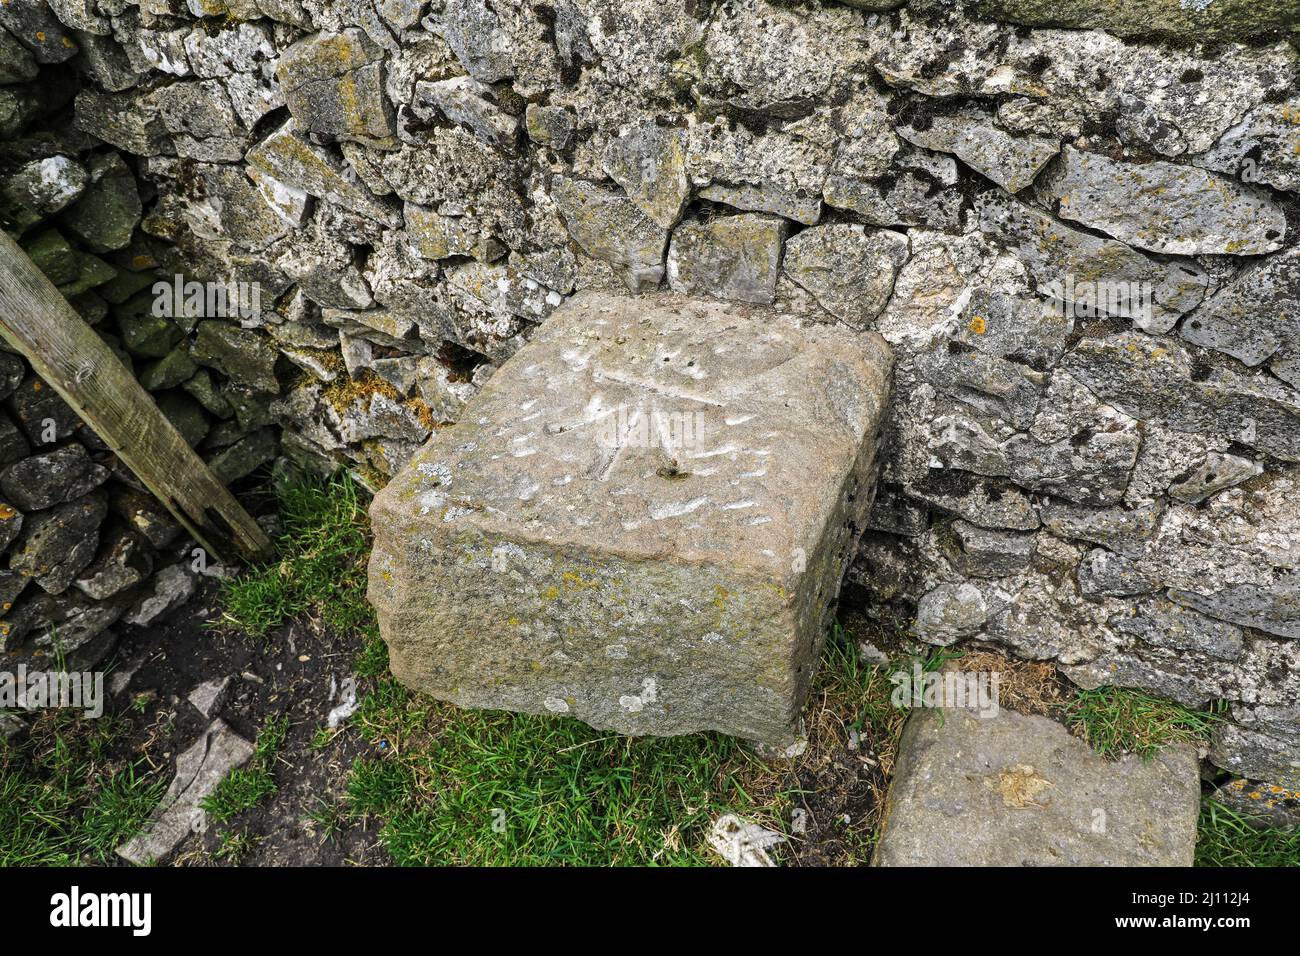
[
  {"x": 202, "y": 122},
  {"x": 209, "y": 697},
  {"x": 1016, "y": 790},
  {"x": 1263, "y": 751},
  {"x": 1263, "y": 148},
  {"x": 1170, "y": 100},
  {"x": 1164, "y": 207},
  {"x": 243, "y": 356},
  {"x": 40, "y": 189},
  {"x": 1105, "y": 572},
  {"x": 105, "y": 217},
  {"x": 67, "y": 627},
  {"x": 1265, "y": 805},
  {"x": 980, "y": 552},
  {"x": 333, "y": 85},
  {"x": 731, "y": 257},
  {"x": 36, "y": 27},
  {"x": 474, "y": 34},
  {"x": 124, "y": 562},
  {"x": 43, "y": 481},
  {"x": 1090, "y": 275},
  {"x": 592, "y": 486},
  {"x": 146, "y": 335},
  {"x": 244, "y": 456},
  {"x": 1256, "y": 314},
  {"x": 780, "y": 173},
  {"x": 982, "y": 502},
  {"x": 1154, "y": 378},
  {"x": 549, "y": 125},
  {"x": 915, "y": 190},
  {"x": 950, "y": 612},
  {"x": 608, "y": 227},
  {"x": 1210, "y": 20},
  {"x": 13, "y": 444},
  {"x": 1273, "y": 608},
  {"x": 989, "y": 383},
  {"x": 43, "y": 416},
  {"x": 186, "y": 416},
  {"x": 1120, "y": 529},
  {"x": 290, "y": 159},
  {"x": 12, "y": 371},
  {"x": 17, "y": 65},
  {"x": 649, "y": 162},
  {"x": 849, "y": 271},
  {"x": 128, "y": 120},
  {"x": 464, "y": 100},
  {"x": 169, "y": 371},
  {"x": 172, "y": 587},
  {"x": 56, "y": 545},
  {"x": 106, "y": 62},
  {"x": 1010, "y": 161},
  {"x": 143, "y": 513},
  {"x": 199, "y": 770},
  {"x": 11, "y": 522},
  {"x": 1216, "y": 472},
  {"x": 1163, "y": 623},
  {"x": 776, "y": 60}
]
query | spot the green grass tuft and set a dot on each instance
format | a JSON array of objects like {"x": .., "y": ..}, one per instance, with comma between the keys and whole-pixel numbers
[
  {"x": 321, "y": 569},
  {"x": 1226, "y": 838},
  {"x": 60, "y": 804},
  {"x": 246, "y": 787},
  {"x": 1116, "y": 721}
]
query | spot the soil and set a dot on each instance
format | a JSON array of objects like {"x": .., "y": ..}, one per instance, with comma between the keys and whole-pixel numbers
[{"x": 291, "y": 672}]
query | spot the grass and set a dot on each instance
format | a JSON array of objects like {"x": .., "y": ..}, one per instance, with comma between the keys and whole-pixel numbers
[
  {"x": 321, "y": 565},
  {"x": 61, "y": 801},
  {"x": 246, "y": 787},
  {"x": 449, "y": 786},
  {"x": 1226, "y": 838},
  {"x": 1116, "y": 721}
]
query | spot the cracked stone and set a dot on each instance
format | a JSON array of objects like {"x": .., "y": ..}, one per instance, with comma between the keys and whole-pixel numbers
[
  {"x": 1165, "y": 207},
  {"x": 1010, "y": 161},
  {"x": 731, "y": 257},
  {"x": 849, "y": 271}
]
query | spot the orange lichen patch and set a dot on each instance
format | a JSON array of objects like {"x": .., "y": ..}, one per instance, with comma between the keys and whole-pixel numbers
[
  {"x": 343, "y": 391},
  {"x": 40, "y": 36},
  {"x": 6, "y": 512},
  {"x": 422, "y": 411},
  {"x": 1019, "y": 786},
  {"x": 978, "y": 325}
]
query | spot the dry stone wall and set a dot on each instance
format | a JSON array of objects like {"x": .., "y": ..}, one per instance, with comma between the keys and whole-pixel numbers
[{"x": 1075, "y": 222}]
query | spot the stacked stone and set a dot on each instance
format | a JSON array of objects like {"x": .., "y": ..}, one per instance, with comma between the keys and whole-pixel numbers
[
  {"x": 83, "y": 545},
  {"x": 1107, "y": 481}
]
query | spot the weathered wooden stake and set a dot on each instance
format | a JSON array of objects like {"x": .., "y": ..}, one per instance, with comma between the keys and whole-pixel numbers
[{"x": 37, "y": 321}]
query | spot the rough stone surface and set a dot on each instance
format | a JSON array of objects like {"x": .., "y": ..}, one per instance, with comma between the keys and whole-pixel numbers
[
  {"x": 1015, "y": 790},
  {"x": 849, "y": 271},
  {"x": 1010, "y": 161},
  {"x": 664, "y": 561},
  {"x": 1165, "y": 207},
  {"x": 198, "y": 772},
  {"x": 733, "y": 257}
]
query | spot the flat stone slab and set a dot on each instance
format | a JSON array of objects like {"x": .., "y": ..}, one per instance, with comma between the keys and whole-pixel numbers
[
  {"x": 198, "y": 772},
  {"x": 1012, "y": 790},
  {"x": 641, "y": 520}
]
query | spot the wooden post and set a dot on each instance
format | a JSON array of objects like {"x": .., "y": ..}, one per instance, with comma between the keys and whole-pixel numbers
[{"x": 36, "y": 320}]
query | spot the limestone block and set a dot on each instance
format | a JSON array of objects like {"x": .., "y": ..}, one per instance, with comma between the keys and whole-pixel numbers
[{"x": 640, "y": 521}]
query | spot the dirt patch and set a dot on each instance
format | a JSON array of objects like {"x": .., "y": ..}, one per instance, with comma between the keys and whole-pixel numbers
[{"x": 297, "y": 672}]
